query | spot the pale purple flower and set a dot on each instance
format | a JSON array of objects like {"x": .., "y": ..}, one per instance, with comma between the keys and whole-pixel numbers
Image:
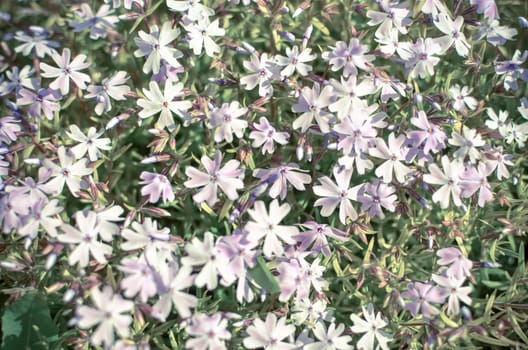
[
  {"x": 422, "y": 296},
  {"x": 155, "y": 243},
  {"x": 295, "y": 61},
  {"x": 487, "y": 7},
  {"x": 387, "y": 37},
  {"x": 432, "y": 137},
  {"x": 44, "y": 101},
  {"x": 209, "y": 332},
  {"x": 226, "y": 121},
  {"x": 355, "y": 160},
  {"x": 195, "y": 10},
  {"x": 349, "y": 57},
  {"x": 113, "y": 87},
  {"x": 42, "y": 214},
  {"x": 12, "y": 209},
  {"x": 31, "y": 190},
  {"x": 372, "y": 326},
  {"x": 85, "y": 239},
  {"x": 329, "y": 339},
  {"x": 200, "y": 34},
  {"x": 281, "y": 176},
  {"x": 228, "y": 179},
  {"x": 374, "y": 196},
  {"x": 107, "y": 219},
  {"x": 267, "y": 225},
  {"x": 512, "y": 70},
  {"x": 265, "y": 136},
  {"x": 89, "y": 143},
  {"x": 207, "y": 255},
  {"x": 454, "y": 291},
  {"x": 269, "y": 334},
  {"x": 172, "y": 292},
  {"x": 449, "y": 178},
  {"x": 337, "y": 195},
  {"x": 18, "y": 79},
  {"x": 139, "y": 278},
  {"x": 495, "y": 34},
  {"x": 394, "y": 154},
  {"x": 454, "y": 34},
  {"x": 459, "y": 266},
  {"x": 347, "y": 90},
  {"x": 499, "y": 161},
  {"x": 433, "y": 7},
  {"x": 392, "y": 14},
  {"x": 156, "y": 46},
  {"x": 156, "y": 186},
  {"x": 164, "y": 104},
  {"x": 462, "y": 100},
  {"x": 66, "y": 172},
  {"x": 65, "y": 71},
  {"x": 476, "y": 179},
  {"x": 9, "y": 128},
  {"x": 317, "y": 234},
  {"x": 312, "y": 103},
  {"x": 310, "y": 311},
  {"x": 497, "y": 122},
  {"x": 38, "y": 43},
  {"x": 98, "y": 24},
  {"x": 469, "y": 142},
  {"x": 421, "y": 59},
  {"x": 110, "y": 312},
  {"x": 262, "y": 72},
  {"x": 391, "y": 88}
]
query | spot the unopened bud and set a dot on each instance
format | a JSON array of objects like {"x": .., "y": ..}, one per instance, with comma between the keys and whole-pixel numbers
[
  {"x": 299, "y": 152},
  {"x": 50, "y": 261},
  {"x": 68, "y": 295},
  {"x": 286, "y": 36}
]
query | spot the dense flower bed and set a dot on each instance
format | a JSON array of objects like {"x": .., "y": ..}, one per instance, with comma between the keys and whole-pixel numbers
[{"x": 277, "y": 175}]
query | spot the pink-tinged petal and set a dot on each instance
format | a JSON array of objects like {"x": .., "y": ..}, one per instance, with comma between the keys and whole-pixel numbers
[
  {"x": 197, "y": 178},
  {"x": 207, "y": 194}
]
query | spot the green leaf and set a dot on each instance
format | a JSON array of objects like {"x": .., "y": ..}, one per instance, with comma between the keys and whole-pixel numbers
[
  {"x": 262, "y": 275},
  {"x": 27, "y": 324},
  {"x": 319, "y": 25}
]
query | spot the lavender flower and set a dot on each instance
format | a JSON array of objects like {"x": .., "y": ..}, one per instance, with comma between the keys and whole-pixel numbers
[
  {"x": 280, "y": 176},
  {"x": 65, "y": 71},
  {"x": 157, "y": 185},
  {"x": 269, "y": 334},
  {"x": 265, "y": 136}
]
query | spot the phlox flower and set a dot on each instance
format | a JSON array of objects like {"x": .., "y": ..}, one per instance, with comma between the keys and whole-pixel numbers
[
  {"x": 497, "y": 122},
  {"x": 110, "y": 312},
  {"x": 317, "y": 234},
  {"x": 387, "y": 37},
  {"x": 334, "y": 195},
  {"x": 226, "y": 120},
  {"x": 31, "y": 190},
  {"x": 432, "y": 137},
  {"x": 392, "y": 14},
  {"x": 391, "y": 88},
  {"x": 66, "y": 172},
  {"x": 454, "y": 34},
  {"x": 265, "y": 136},
  {"x": 295, "y": 61},
  {"x": 476, "y": 179},
  {"x": 175, "y": 280},
  {"x": 459, "y": 266},
  {"x": 297, "y": 276},
  {"x": 433, "y": 7},
  {"x": 208, "y": 331},
  {"x": 9, "y": 127},
  {"x": 512, "y": 70},
  {"x": 487, "y": 7},
  {"x": 113, "y": 87},
  {"x": 329, "y": 339},
  {"x": 85, "y": 239},
  {"x": 262, "y": 72},
  {"x": 267, "y": 225},
  {"x": 201, "y": 32},
  {"x": 195, "y": 10},
  {"x": 469, "y": 142},
  {"x": 347, "y": 90},
  {"x": 349, "y": 57},
  {"x": 421, "y": 59},
  {"x": 37, "y": 43},
  {"x": 374, "y": 196},
  {"x": 462, "y": 100},
  {"x": 65, "y": 71},
  {"x": 43, "y": 101},
  {"x": 449, "y": 178},
  {"x": 269, "y": 334},
  {"x": 155, "y": 243},
  {"x": 312, "y": 103},
  {"x": 164, "y": 104},
  {"x": 156, "y": 46},
  {"x": 43, "y": 214},
  {"x": 12, "y": 210},
  {"x": 280, "y": 176},
  {"x": 515, "y": 133},
  {"x": 310, "y": 311},
  {"x": 139, "y": 279},
  {"x": 422, "y": 296},
  {"x": 228, "y": 179},
  {"x": 498, "y": 160},
  {"x": 157, "y": 185},
  {"x": 355, "y": 160},
  {"x": 107, "y": 219},
  {"x": 207, "y": 255},
  {"x": 495, "y": 34},
  {"x": 89, "y": 143},
  {"x": 395, "y": 153},
  {"x": 99, "y": 23},
  {"x": 18, "y": 79},
  {"x": 454, "y": 292},
  {"x": 372, "y": 326}
]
